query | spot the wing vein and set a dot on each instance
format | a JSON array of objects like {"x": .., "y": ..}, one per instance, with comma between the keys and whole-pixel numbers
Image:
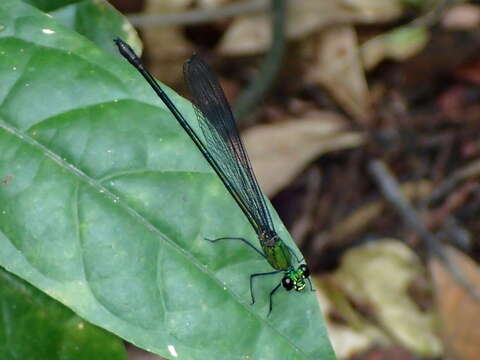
[{"x": 222, "y": 139}]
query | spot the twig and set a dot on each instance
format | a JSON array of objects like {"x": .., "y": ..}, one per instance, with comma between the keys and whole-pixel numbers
[
  {"x": 345, "y": 231},
  {"x": 469, "y": 171},
  {"x": 390, "y": 189},
  {"x": 198, "y": 16},
  {"x": 456, "y": 233},
  {"x": 256, "y": 90}
]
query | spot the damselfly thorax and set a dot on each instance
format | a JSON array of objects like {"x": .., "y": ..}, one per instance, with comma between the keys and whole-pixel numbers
[{"x": 276, "y": 251}]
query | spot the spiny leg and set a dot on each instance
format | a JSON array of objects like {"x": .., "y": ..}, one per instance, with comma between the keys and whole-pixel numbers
[
  {"x": 271, "y": 297},
  {"x": 242, "y": 240},
  {"x": 311, "y": 286},
  {"x": 259, "y": 274}
]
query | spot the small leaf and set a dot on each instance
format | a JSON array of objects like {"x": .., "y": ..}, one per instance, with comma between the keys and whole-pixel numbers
[
  {"x": 251, "y": 34},
  {"x": 338, "y": 68},
  {"x": 293, "y": 144},
  {"x": 378, "y": 276},
  {"x": 165, "y": 62},
  {"x": 398, "y": 44},
  {"x": 97, "y": 20},
  {"x": 35, "y": 327}
]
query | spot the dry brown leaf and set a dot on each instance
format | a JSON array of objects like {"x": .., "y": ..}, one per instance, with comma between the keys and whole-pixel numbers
[
  {"x": 251, "y": 34},
  {"x": 462, "y": 17},
  {"x": 280, "y": 151},
  {"x": 399, "y": 44},
  {"x": 336, "y": 65},
  {"x": 376, "y": 10},
  {"x": 167, "y": 47},
  {"x": 459, "y": 311},
  {"x": 378, "y": 275},
  {"x": 212, "y": 4},
  {"x": 351, "y": 335}
]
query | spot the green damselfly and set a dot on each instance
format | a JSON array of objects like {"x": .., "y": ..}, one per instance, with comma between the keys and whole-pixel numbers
[{"x": 224, "y": 151}]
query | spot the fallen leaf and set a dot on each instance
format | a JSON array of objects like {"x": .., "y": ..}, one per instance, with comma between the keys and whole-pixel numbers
[
  {"x": 462, "y": 17},
  {"x": 459, "y": 311},
  {"x": 167, "y": 46},
  {"x": 378, "y": 276},
  {"x": 336, "y": 65},
  {"x": 251, "y": 34},
  {"x": 398, "y": 44},
  {"x": 351, "y": 335},
  {"x": 280, "y": 151},
  {"x": 212, "y": 3},
  {"x": 376, "y": 10}
]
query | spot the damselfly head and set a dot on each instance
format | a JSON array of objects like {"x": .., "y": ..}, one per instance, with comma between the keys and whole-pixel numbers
[{"x": 295, "y": 279}]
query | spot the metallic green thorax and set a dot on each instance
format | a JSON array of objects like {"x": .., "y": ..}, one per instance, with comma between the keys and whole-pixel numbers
[{"x": 276, "y": 252}]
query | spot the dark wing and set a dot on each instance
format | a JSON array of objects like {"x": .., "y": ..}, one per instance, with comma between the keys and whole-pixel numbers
[{"x": 222, "y": 139}]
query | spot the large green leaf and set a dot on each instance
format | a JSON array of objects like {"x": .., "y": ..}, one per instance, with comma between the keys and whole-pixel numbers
[
  {"x": 35, "y": 327},
  {"x": 105, "y": 204}
]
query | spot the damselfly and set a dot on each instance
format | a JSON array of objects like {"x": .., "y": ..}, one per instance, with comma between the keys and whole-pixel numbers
[{"x": 224, "y": 151}]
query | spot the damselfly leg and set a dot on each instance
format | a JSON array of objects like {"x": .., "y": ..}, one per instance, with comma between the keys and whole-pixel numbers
[
  {"x": 260, "y": 274},
  {"x": 271, "y": 298},
  {"x": 311, "y": 286},
  {"x": 240, "y": 239}
]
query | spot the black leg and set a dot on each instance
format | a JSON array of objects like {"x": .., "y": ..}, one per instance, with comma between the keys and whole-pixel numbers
[
  {"x": 259, "y": 274},
  {"x": 241, "y": 239},
  {"x": 271, "y": 297},
  {"x": 310, "y": 282}
]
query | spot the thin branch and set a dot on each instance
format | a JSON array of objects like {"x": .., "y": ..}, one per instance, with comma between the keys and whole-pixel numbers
[
  {"x": 256, "y": 90},
  {"x": 469, "y": 171},
  {"x": 198, "y": 16},
  {"x": 390, "y": 189}
]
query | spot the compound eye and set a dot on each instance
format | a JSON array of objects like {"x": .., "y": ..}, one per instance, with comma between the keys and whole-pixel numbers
[
  {"x": 287, "y": 283},
  {"x": 305, "y": 270}
]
